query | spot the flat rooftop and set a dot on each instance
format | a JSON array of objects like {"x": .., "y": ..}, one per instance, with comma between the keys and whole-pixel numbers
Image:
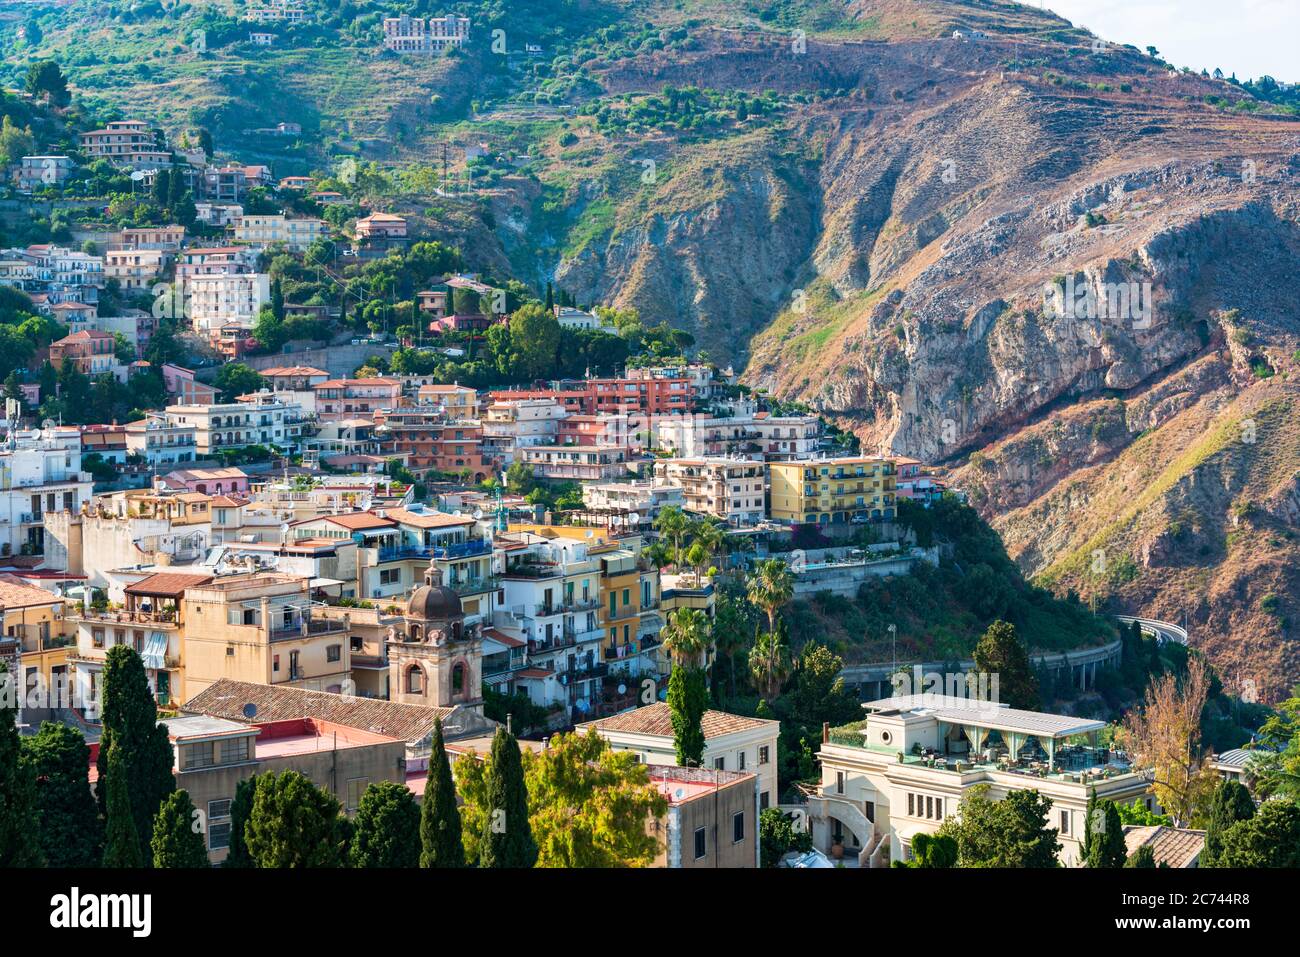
[
  {"x": 986, "y": 714},
  {"x": 280, "y": 739}
]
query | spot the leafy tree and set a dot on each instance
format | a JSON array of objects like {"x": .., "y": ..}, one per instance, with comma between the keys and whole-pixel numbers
[
  {"x": 819, "y": 693},
  {"x": 1001, "y": 653},
  {"x": 590, "y": 805},
  {"x": 122, "y": 840},
  {"x": 1275, "y": 767},
  {"x": 70, "y": 831},
  {"x": 769, "y": 660},
  {"x": 471, "y": 785},
  {"x": 15, "y": 141},
  {"x": 45, "y": 79},
  {"x": 293, "y": 824},
  {"x": 507, "y": 836},
  {"x": 240, "y": 808},
  {"x": 1269, "y": 839},
  {"x": 686, "y": 636},
  {"x": 1164, "y": 737},
  {"x": 535, "y": 341},
  {"x": 131, "y": 718},
  {"x": 777, "y": 836},
  {"x": 176, "y": 841},
  {"x": 687, "y": 698},
  {"x": 440, "y": 825},
  {"x": 235, "y": 379},
  {"x": 1231, "y": 803},
  {"x": 19, "y": 814},
  {"x": 1012, "y": 832},
  {"x": 387, "y": 828},
  {"x": 931, "y": 851}
]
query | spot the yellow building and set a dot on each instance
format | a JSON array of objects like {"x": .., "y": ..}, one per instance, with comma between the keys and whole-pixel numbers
[
  {"x": 262, "y": 628},
  {"x": 33, "y": 640},
  {"x": 827, "y": 491}
]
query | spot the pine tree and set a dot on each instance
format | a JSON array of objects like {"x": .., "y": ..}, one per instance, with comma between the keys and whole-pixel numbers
[
  {"x": 19, "y": 821},
  {"x": 240, "y": 808},
  {"x": 387, "y": 828},
  {"x": 176, "y": 843},
  {"x": 71, "y": 834},
  {"x": 440, "y": 826},
  {"x": 1001, "y": 653},
  {"x": 1231, "y": 803},
  {"x": 507, "y": 834},
  {"x": 162, "y": 187},
  {"x": 122, "y": 840},
  {"x": 687, "y": 697},
  {"x": 293, "y": 824},
  {"x": 129, "y": 713}
]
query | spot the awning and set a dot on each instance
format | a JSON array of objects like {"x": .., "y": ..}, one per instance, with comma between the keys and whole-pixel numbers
[{"x": 155, "y": 651}]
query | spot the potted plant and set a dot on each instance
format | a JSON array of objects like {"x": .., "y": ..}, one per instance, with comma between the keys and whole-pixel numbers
[{"x": 837, "y": 848}]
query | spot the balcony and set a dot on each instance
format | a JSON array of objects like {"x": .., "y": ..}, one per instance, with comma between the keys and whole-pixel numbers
[
  {"x": 476, "y": 546},
  {"x": 167, "y": 617}
]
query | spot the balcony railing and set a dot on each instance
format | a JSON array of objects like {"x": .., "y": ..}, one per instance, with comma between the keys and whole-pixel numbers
[
  {"x": 476, "y": 546},
  {"x": 128, "y": 617}
]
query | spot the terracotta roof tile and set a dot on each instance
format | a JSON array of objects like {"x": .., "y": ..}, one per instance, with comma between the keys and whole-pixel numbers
[
  {"x": 655, "y": 719},
  {"x": 168, "y": 584},
  {"x": 1174, "y": 846},
  {"x": 16, "y": 593}
]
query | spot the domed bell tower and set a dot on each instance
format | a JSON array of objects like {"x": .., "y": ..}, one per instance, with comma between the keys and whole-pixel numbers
[{"x": 437, "y": 659}]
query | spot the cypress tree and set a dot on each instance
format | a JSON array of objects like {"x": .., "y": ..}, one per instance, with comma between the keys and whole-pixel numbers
[
  {"x": 122, "y": 841},
  {"x": 129, "y": 713},
  {"x": 162, "y": 182},
  {"x": 1231, "y": 803},
  {"x": 687, "y": 699},
  {"x": 1094, "y": 824},
  {"x": 507, "y": 834},
  {"x": 70, "y": 831},
  {"x": 386, "y": 832},
  {"x": 1107, "y": 849},
  {"x": 176, "y": 843},
  {"x": 19, "y": 821},
  {"x": 293, "y": 824},
  {"x": 440, "y": 834},
  {"x": 240, "y": 808}
]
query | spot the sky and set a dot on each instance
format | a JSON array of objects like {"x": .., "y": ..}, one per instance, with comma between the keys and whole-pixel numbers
[{"x": 1246, "y": 37}]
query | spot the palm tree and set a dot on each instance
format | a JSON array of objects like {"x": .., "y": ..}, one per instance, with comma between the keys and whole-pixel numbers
[
  {"x": 672, "y": 523},
  {"x": 769, "y": 661},
  {"x": 712, "y": 541},
  {"x": 687, "y": 635},
  {"x": 770, "y": 587}
]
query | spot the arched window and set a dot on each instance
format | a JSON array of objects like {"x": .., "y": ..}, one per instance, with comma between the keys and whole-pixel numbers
[
  {"x": 415, "y": 680},
  {"x": 415, "y": 633},
  {"x": 458, "y": 679}
]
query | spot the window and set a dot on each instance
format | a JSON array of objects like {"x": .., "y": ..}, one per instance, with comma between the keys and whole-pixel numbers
[
  {"x": 929, "y": 806},
  {"x": 740, "y": 759},
  {"x": 218, "y": 836},
  {"x": 1065, "y": 822},
  {"x": 334, "y": 653},
  {"x": 234, "y": 750},
  {"x": 871, "y": 811},
  {"x": 763, "y": 801},
  {"x": 839, "y": 784},
  {"x": 199, "y": 756},
  {"x": 911, "y": 805},
  {"x": 415, "y": 681},
  {"x": 700, "y": 847},
  {"x": 356, "y": 788},
  {"x": 763, "y": 755},
  {"x": 737, "y": 827},
  {"x": 275, "y": 662},
  {"x": 218, "y": 809},
  {"x": 720, "y": 764}
]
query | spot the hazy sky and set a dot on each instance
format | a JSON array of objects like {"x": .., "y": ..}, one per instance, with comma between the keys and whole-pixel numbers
[{"x": 1248, "y": 37}]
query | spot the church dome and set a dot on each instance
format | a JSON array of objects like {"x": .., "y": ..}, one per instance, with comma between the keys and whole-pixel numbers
[{"x": 433, "y": 601}]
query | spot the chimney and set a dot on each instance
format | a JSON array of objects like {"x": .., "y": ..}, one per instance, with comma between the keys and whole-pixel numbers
[
  {"x": 509, "y": 721},
  {"x": 826, "y": 732}
]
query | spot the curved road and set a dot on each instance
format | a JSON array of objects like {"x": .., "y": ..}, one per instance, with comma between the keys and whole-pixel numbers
[{"x": 1163, "y": 630}]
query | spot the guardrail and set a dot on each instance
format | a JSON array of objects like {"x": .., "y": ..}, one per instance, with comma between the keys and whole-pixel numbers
[{"x": 1162, "y": 630}]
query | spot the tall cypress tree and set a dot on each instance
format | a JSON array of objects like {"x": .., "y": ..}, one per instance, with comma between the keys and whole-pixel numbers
[
  {"x": 440, "y": 836},
  {"x": 176, "y": 843},
  {"x": 294, "y": 824},
  {"x": 1107, "y": 848},
  {"x": 1231, "y": 803},
  {"x": 122, "y": 840},
  {"x": 240, "y": 808},
  {"x": 507, "y": 834},
  {"x": 687, "y": 698},
  {"x": 1094, "y": 821},
  {"x": 71, "y": 834},
  {"x": 387, "y": 828},
  {"x": 129, "y": 713},
  {"x": 19, "y": 821}
]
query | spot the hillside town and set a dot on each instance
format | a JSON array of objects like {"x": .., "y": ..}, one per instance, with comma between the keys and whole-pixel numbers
[{"x": 310, "y": 514}]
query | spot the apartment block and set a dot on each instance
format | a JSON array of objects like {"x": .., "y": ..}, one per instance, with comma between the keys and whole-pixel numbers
[
  {"x": 832, "y": 491},
  {"x": 729, "y": 489}
]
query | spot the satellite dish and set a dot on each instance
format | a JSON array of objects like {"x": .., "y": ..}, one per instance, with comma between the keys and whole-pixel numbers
[
  {"x": 478, "y": 514},
  {"x": 622, "y": 689},
  {"x": 137, "y": 175},
  {"x": 48, "y": 424},
  {"x": 250, "y": 710},
  {"x": 635, "y": 518}
]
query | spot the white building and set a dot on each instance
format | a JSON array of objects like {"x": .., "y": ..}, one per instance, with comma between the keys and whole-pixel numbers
[
  {"x": 40, "y": 472},
  {"x": 513, "y": 424},
  {"x": 296, "y": 234},
  {"x": 645, "y": 499},
  {"x": 731, "y": 742},
  {"x": 407, "y": 34},
  {"x": 570, "y": 318},
  {"x": 264, "y": 420},
  {"x": 904, "y": 769},
  {"x": 160, "y": 441},
  {"x": 733, "y": 490},
  {"x": 218, "y": 300}
]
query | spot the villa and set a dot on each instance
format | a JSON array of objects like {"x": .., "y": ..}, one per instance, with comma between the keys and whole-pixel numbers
[{"x": 904, "y": 769}]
